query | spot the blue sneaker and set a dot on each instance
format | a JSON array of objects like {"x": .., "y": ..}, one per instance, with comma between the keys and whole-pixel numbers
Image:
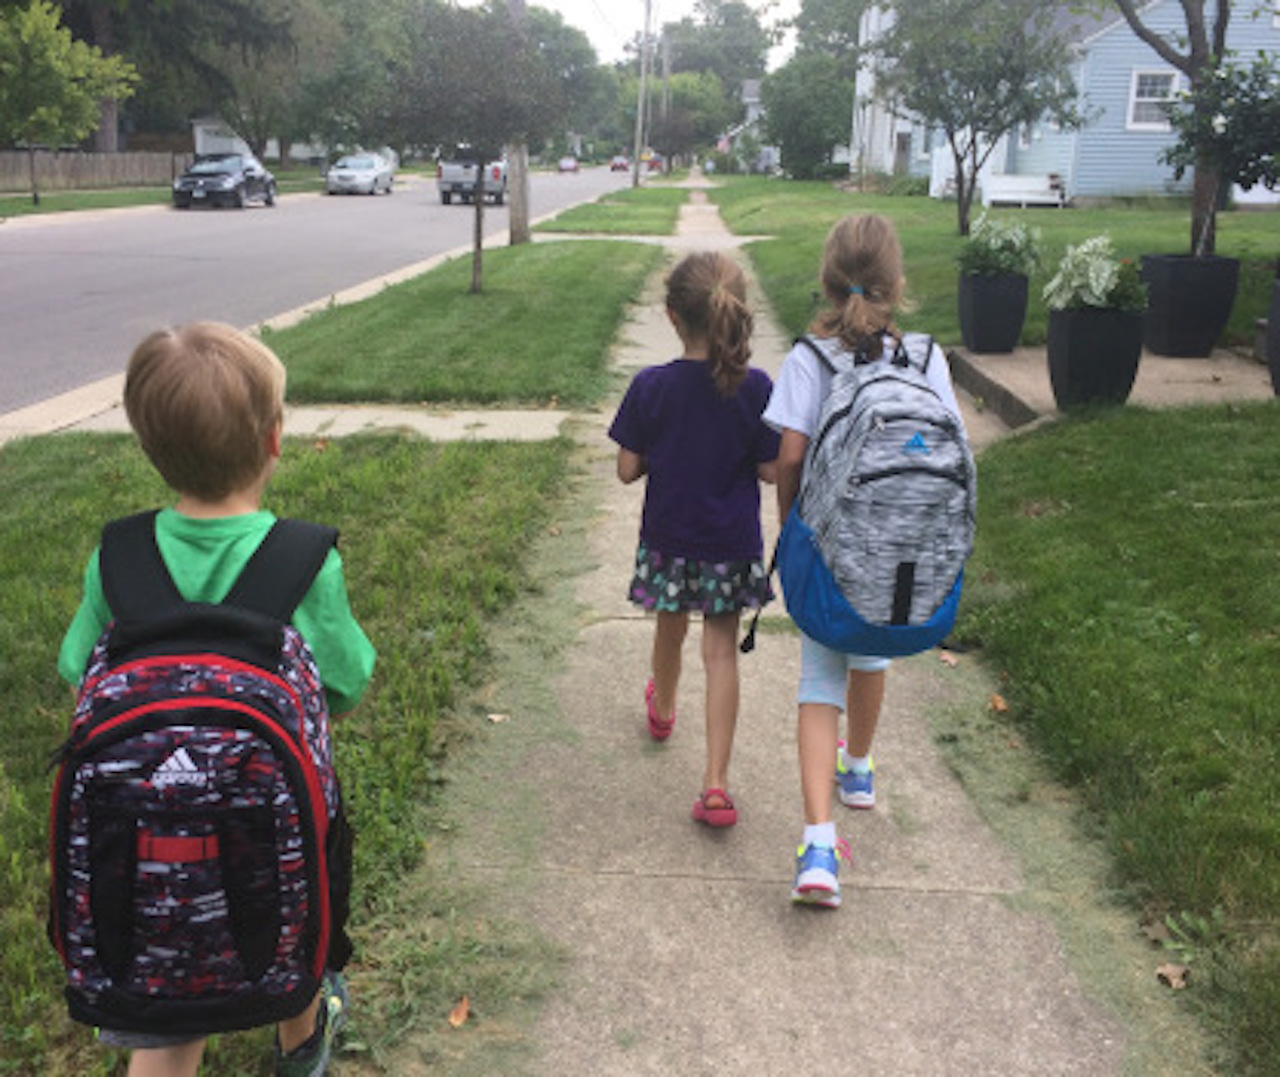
[
  {"x": 312, "y": 1058},
  {"x": 856, "y": 790},
  {"x": 816, "y": 882}
]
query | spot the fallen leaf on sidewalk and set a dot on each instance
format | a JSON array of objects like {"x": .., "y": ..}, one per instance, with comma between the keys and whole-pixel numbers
[
  {"x": 948, "y": 659},
  {"x": 1174, "y": 976},
  {"x": 998, "y": 703},
  {"x": 459, "y": 1014},
  {"x": 498, "y": 719}
]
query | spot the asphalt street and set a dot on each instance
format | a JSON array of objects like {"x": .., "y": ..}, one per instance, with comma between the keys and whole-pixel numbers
[{"x": 78, "y": 290}]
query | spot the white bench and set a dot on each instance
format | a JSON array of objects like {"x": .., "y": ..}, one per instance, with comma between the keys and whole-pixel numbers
[{"x": 1044, "y": 189}]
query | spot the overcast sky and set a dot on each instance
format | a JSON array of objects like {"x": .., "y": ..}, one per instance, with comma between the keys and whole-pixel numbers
[{"x": 610, "y": 24}]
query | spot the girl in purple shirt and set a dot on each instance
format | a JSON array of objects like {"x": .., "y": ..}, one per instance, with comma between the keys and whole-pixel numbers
[{"x": 693, "y": 428}]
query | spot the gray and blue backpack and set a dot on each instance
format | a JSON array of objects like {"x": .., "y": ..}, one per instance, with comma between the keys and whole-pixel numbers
[{"x": 872, "y": 554}]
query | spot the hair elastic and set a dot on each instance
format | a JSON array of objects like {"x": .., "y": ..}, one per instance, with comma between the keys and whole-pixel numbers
[{"x": 856, "y": 289}]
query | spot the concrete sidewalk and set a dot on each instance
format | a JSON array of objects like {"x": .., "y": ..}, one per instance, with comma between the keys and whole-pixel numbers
[{"x": 954, "y": 952}]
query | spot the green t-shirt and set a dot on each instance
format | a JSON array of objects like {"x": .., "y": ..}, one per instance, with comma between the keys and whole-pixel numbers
[{"x": 205, "y": 557}]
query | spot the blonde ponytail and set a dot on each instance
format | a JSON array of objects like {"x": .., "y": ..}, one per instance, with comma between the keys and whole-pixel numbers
[{"x": 862, "y": 277}]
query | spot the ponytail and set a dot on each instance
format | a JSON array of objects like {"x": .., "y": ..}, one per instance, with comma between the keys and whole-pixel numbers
[
  {"x": 862, "y": 277},
  {"x": 708, "y": 291}
]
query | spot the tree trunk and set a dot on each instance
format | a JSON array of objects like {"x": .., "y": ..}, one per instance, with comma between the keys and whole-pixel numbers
[
  {"x": 31, "y": 164},
  {"x": 106, "y": 139},
  {"x": 477, "y": 248},
  {"x": 964, "y": 193},
  {"x": 1204, "y": 203},
  {"x": 518, "y": 191}
]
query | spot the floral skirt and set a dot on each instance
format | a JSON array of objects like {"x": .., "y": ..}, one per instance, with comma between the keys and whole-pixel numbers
[{"x": 679, "y": 584}]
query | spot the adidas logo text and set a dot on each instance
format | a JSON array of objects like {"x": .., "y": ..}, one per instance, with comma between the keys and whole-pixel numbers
[{"x": 178, "y": 769}]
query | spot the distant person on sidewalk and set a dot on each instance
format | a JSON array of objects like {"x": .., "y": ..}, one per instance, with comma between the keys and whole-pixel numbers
[
  {"x": 692, "y": 428},
  {"x": 207, "y": 404},
  {"x": 863, "y": 282}
]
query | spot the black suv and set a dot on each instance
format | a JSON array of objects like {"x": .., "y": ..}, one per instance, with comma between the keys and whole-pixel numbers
[{"x": 228, "y": 179}]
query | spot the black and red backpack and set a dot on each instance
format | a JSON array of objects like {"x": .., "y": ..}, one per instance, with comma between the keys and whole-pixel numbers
[{"x": 198, "y": 850}]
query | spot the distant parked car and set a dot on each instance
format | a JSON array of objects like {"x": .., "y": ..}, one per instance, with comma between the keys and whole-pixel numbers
[
  {"x": 360, "y": 173},
  {"x": 229, "y": 179},
  {"x": 568, "y": 164},
  {"x": 619, "y": 164}
]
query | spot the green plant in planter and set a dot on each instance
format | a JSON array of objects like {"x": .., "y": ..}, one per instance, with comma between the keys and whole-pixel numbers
[
  {"x": 995, "y": 263},
  {"x": 999, "y": 248},
  {"x": 1092, "y": 274},
  {"x": 1096, "y": 303}
]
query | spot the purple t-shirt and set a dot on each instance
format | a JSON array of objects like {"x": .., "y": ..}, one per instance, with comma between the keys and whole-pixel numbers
[{"x": 702, "y": 494}]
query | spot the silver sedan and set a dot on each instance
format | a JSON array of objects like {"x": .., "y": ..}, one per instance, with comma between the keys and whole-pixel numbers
[{"x": 360, "y": 173}]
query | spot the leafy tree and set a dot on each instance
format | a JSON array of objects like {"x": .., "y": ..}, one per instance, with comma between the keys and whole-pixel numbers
[
  {"x": 1234, "y": 118},
  {"x": 167, "y": 42},
  {"x": 693, "y": 110},
  {"x": 474, "y": 79},
  {"x": 1197, "y": 55},
  {"x": 807, "y": 111},
  {"x": 978, "y": 69},
  {"x": 722, "y": 36},
  {"x": 50, "y": 83},
  {"x": 833, "y": 27}
]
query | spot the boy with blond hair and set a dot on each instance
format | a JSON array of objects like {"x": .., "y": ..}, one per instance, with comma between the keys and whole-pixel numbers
[{"x": 206, "y": 402}]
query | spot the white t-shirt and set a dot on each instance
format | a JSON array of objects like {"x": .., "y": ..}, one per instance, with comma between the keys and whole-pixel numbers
[{"x": 804, "y": 381}]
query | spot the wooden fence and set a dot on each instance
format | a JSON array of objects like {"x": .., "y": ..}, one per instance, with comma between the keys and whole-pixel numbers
[{"x": 71, "y": 170}]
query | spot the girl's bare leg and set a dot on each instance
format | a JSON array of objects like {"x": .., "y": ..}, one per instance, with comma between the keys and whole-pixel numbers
[
  {"x": 668, "y": 643},
  {"x": 720, "y": 657}
]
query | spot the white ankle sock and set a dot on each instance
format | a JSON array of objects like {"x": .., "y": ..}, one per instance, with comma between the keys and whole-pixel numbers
[
  {"x": 823, "y": 834},
  {"x": 859, "y": 764}
]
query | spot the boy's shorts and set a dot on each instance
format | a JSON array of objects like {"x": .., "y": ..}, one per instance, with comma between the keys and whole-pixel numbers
[
  {"x": 824, "y": 673},
  {"x": 135, "y": 1041}
]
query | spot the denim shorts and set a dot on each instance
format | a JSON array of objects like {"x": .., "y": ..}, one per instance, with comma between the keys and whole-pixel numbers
[{"x": 824, "y": 673}]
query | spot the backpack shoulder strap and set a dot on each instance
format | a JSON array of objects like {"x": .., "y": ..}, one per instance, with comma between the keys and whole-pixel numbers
[
  {"x": 135, "y": 581},
  {"x": 137, "y": 584},
  {"x": 823, "y": 358},
  {"x": 282, "y": 568},
  {"x": 905, "y": 353}
]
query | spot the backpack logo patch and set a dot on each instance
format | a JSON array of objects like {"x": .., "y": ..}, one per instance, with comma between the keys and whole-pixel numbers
[
  {"x": 916, "y": 445},
  {"x": 178, "y": 769}
]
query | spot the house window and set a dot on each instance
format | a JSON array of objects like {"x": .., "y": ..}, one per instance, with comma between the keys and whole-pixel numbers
[{"x": 1150, "y": 93}]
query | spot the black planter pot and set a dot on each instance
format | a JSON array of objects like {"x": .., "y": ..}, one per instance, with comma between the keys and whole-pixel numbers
[
  {"x": 1093, "y": 355},
  {"x": 1273, "y": 338},
  {"x": 1189, "y": 303},
  {"x": 992, "y": 310}
]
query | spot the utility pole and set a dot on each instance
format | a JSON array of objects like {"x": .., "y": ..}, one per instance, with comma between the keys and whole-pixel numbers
[
  {"x": 518, "y": 155},
  {"x": 644, "y": 95}
]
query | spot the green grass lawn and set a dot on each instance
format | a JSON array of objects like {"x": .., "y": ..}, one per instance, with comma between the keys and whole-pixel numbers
[
  {"x": 798, "y": 214},
  {"x": 538, "y": 333},
  {"x": 640, "y": 211},
  {"x": 434, "y": 540},
  {"x": 1127, "y": 586}
]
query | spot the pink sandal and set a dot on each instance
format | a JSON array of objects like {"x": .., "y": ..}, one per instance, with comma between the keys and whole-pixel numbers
[
  {"x": 725, "y": 815},
  {"x": 659, "y": 728}
]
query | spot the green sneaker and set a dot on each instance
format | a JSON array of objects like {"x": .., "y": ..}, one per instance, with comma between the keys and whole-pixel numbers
[{"x": 312, "y": 1058}]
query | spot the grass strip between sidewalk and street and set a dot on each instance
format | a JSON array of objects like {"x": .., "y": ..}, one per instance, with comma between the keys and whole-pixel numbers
[
  {"x": 537, "y": 334},
  {"x": 650, "y": 210}
]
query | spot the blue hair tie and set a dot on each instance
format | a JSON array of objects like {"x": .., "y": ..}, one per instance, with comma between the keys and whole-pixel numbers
[{"x": 855, "y": 289}]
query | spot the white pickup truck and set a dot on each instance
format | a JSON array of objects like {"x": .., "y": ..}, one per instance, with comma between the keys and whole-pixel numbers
[{"x": 457, "y": 178}]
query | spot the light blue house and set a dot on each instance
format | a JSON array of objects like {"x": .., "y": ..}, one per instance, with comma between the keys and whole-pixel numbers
[{"x": 1124, "y": 87}]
